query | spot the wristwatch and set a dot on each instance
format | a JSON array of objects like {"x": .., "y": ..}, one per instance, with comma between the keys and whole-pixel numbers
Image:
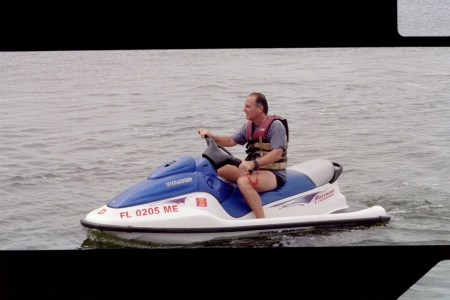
[{"x": 256, "y": 164}]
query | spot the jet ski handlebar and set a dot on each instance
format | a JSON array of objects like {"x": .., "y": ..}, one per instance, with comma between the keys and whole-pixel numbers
[{"x": 218, "y": 156}]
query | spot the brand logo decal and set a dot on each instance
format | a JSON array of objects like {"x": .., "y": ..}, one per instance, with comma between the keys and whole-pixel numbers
[
  {"x": 201, "y": 202},
  {"x": 324, "y": 196},
  {"x": 180, "y": 181}
]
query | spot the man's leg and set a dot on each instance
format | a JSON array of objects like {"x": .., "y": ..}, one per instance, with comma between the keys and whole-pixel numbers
[
  {"x": 266, "y": 182},
  {"x": 229, "y": 173}
]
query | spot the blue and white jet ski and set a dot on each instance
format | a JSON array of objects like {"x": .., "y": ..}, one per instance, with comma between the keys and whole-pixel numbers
[{"x": 185, "y": 201}]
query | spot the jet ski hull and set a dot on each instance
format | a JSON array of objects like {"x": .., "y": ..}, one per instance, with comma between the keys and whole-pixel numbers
[{"x": 199, "y": 217}]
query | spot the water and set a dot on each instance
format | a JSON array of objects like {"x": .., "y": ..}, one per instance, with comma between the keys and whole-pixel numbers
[
  {"x": 423, "y": 17},
  {"x": 76, "y": 128}
]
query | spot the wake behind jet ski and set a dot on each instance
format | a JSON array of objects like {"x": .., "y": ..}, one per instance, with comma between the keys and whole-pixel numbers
[{"x": 185, "y": 201}]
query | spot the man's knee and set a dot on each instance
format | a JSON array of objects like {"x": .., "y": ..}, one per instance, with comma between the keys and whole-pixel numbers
[
  {"x": 241, "y": 181},
  {"x": 244, "y": 183}
]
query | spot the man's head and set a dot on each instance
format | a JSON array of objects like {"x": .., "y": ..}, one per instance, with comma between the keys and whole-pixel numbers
[
  {"x": 255, "y": 107},
  {"x": 260, "y": 100}
]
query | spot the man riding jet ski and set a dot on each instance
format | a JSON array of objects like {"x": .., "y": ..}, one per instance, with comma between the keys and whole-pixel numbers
[
  {"x": 267, "y": 138},
  {"x": 217, "y": 195}
]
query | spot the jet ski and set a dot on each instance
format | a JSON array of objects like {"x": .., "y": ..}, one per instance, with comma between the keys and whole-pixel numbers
[{"x": 185, "y": 201}]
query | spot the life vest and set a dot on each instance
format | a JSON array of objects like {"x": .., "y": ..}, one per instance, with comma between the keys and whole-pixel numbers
[{"x": 258, "y": 145}]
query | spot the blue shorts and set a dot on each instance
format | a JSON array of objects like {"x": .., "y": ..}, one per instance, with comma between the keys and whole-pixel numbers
[{"x": 280, "y": 181}]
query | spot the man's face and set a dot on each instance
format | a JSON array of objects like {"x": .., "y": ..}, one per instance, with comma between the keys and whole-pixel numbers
[{"x": 250, "y": 109}]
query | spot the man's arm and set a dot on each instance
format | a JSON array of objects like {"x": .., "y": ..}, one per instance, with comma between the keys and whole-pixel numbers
[
  {"x": 271, "y": 157},
  {"x": 224, "y": 140}
]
